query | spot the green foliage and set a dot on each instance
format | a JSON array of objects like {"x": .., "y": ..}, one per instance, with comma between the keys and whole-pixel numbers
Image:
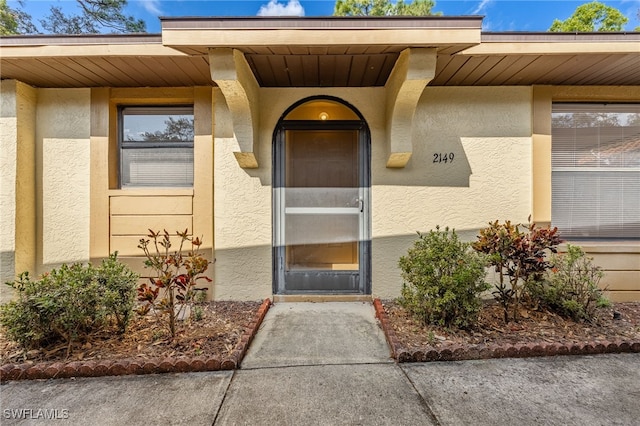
[
  {"x": 96, "y": 16},
  {"x": 443, "y": 279},
  {"x": 571, "y": 288},
  {"x": 69, "y": 303},
  {"x": 176, "y": 275},
  {"x": 15, "y": 21},
  {"x": 8, "y": 23},
  {"x": 198, "y": 313},
  {"x": 591, "y": 17},
  {"x": 384, "y": 8},
  {"x": 519, "y": 253},
  {"x": 118, "y": 284}
]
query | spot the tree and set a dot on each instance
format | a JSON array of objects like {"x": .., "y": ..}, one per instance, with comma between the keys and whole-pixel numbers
[
  {"x": 14, "y": 21},
  {"x": 591, "y": 17},
  {"x": 96, "y": 16},
  {"x": 585, "y": 119},
  {"x": 176, "y": 130},
  {"x": 384, "y": 8}
]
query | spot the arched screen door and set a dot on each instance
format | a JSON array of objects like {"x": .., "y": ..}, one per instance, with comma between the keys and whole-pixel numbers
[{"x": 321, "y": 200}]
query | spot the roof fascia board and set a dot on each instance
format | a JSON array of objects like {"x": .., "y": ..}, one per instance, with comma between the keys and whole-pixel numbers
[
  {"x": 530, "y": 46},
  {"x": 321, "y": 22},
  {"x": 288, "y": 37},
  {"x": 86, "y": 50}
]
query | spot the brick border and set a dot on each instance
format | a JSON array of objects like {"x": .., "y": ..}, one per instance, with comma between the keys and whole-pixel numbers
[
  {"x": 120, "y": 367},
  {"x": 481, "y": 351}
]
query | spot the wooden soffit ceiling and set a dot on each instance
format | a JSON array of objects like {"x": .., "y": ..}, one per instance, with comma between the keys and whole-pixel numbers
[
  {"x": 503, "y": 59},
  {"x": 99, "y": 61}
]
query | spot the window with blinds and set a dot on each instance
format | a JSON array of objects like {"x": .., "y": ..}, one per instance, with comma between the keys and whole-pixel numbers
[
  {"x": 596, "y": 170},
  {"x": 156, "y": 146}
]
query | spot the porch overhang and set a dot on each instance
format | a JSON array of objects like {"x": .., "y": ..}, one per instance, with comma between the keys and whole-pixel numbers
[
  {"x": 402, "y": 54},
  {"x": 247, "y": 53}
]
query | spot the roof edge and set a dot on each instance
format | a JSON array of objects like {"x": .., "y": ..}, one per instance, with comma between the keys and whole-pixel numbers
[
  {"x": 79, "y": 39},
  {"x": 321, "y": 22},
  {"x": 515, "y": 36}
]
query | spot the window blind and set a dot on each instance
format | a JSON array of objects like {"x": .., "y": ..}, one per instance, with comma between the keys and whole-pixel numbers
[{"x": 596, "y": 170}]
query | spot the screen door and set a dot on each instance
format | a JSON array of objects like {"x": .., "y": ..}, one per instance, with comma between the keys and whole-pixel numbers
[{"x": 321, "y": 206}]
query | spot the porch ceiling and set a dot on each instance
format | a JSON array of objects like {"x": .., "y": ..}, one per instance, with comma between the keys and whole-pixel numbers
[
  {"x": 322, "y": 52},
  {"x": 99, "y": 61}
]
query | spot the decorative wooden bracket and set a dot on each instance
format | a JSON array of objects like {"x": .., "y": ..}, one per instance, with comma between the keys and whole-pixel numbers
[
  {"x": 231, "y": 72},
  {"x": 414, "y": 69}
]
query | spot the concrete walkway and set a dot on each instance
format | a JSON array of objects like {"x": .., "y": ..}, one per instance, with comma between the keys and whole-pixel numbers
[
  {"x": 318, "y": 334},
  {"x": 306, "y": 368}
]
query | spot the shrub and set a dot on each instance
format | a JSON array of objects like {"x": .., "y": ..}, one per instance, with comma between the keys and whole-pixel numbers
[
  {"x": 443, "y": 279},
  {"x": 119, "y": 284},
  {"x": 520, "y": 254},
  {"x": 176, "y": 275},
  {"x": 571, "y": 288},
  {"x": 69, "y": 303}
]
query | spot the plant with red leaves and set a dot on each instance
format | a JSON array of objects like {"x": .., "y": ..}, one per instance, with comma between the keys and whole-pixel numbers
[
  {"x": 176, "y": 275},
  {"x": 520, "y": 255}
]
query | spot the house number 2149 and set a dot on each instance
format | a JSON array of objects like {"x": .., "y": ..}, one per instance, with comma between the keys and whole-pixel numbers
[{"x": 445, "y": 157}]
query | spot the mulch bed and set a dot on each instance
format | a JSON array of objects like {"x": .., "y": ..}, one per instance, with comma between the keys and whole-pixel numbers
[
  {"x": 537, "y": 333},
  {"x": 216, "y": 341},
  {"x": 220, "y": 339}
]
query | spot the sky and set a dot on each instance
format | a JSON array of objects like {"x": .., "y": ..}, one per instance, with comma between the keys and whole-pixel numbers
[{"x": 499, "y": 15}]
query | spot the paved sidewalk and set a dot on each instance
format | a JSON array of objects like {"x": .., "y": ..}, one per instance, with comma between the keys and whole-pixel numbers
[{"x": 318, "y": 379}]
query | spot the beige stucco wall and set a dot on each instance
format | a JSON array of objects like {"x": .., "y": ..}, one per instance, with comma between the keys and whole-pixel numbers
[
  {"x": 487, "y": 129},
  {"x": 8, "y": 166},
  {"x": 17, "y": 182},
  {"x": 63, "y": 168}
]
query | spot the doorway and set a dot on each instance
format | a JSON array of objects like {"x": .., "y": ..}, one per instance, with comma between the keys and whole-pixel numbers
[{"x": 321, "y": 200}]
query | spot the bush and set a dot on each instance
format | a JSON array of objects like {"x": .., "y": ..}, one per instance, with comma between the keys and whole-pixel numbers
[
  {"x": 69, "y": 303},
  {"x": 518, "y": 252},
  {"x": 443, "y": 279},
  {"x": 571, "y": 288},
  {"x": 119, "y": 284}
]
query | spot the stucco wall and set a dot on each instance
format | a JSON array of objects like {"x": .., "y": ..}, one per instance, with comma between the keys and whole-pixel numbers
[
  {"x": 63, "y": 165},
  {"x": 8, "y": 166},
  {"x": 488, "y": 131},
  {"x": 17, "y": 182},
  {"x": 242, "y": 215}
]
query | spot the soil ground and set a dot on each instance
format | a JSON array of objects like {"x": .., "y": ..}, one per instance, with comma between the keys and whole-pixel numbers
[
  {"x": 619, "y": 322},
  {"x": 215, "y": 333}
]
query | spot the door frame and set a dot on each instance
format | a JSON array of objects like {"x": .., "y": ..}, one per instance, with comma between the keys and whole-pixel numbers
[{"x": 278, "y": 176}]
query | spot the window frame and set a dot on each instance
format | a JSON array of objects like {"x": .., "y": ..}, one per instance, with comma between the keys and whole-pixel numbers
[{"x": 122, "y": 144}]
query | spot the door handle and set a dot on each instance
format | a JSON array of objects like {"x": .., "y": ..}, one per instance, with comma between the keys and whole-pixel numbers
[{"x": 361, "y": 204}]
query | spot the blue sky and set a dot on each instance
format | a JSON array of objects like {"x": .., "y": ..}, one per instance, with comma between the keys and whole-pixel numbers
[{"x": 500, "y": 15}]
